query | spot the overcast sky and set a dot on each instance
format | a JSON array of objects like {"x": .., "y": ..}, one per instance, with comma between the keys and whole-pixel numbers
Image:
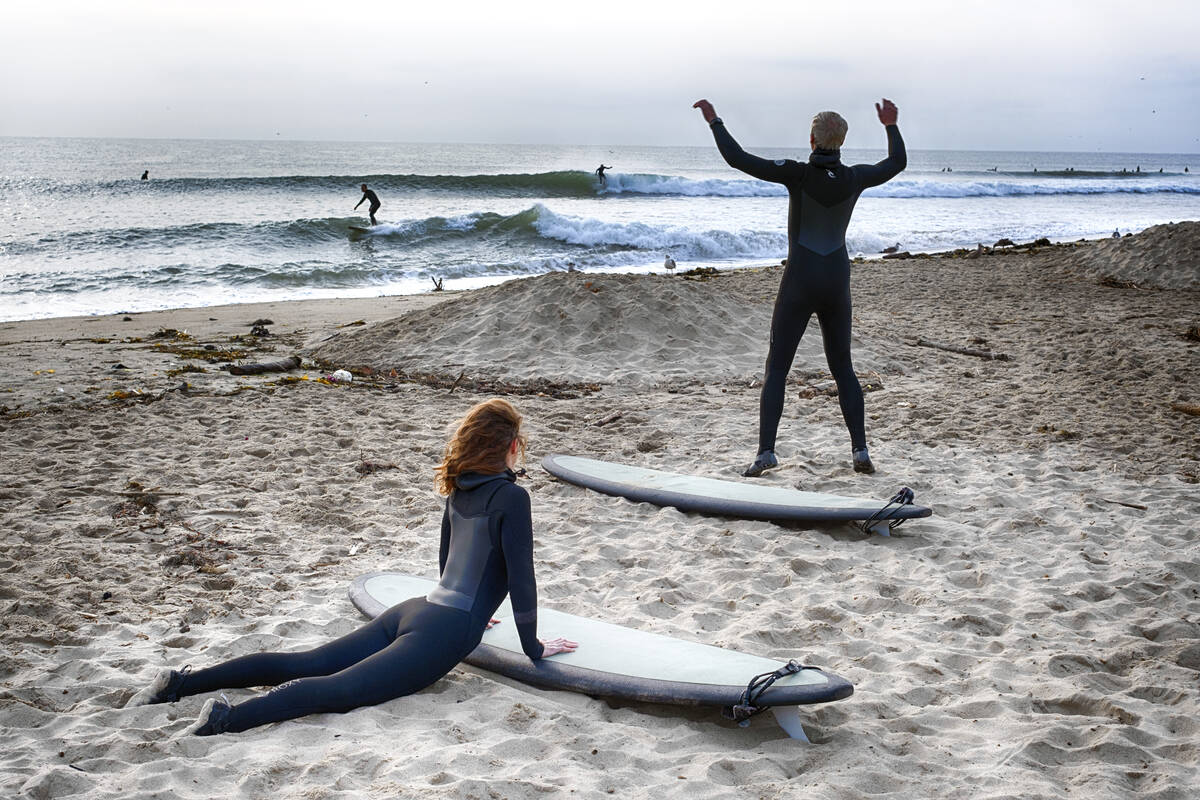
[{"x": 1013, "y": 75}]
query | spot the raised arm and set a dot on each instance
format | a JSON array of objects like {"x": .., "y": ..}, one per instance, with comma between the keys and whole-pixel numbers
[
  {"x": 897, "y": 158},
  {"x": 780, "y": 171}
]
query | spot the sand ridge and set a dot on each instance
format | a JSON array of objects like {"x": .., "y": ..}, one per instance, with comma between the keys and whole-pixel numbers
[{"x": 585, "y": 327}]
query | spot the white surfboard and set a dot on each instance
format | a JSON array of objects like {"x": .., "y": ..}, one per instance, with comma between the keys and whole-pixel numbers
[
  {"x": 615, "y": 661},
  {"x": 729, "y": 498}
]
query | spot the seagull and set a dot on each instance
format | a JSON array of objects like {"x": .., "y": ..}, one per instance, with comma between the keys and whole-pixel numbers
[{"x": 669, "y": 263}]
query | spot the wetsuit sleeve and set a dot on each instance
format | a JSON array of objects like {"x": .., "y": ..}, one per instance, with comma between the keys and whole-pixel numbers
[
  {"x": 444, "y": 548},
  {"x": 890, "y": 167},
  {"x": 360, "y": 202},
  {"x": 781, "y": 171},
  {"x": 516, "y": 539}
]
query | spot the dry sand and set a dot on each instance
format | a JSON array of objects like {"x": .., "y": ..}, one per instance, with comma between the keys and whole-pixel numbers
[{"x": 1038, "y": 637}]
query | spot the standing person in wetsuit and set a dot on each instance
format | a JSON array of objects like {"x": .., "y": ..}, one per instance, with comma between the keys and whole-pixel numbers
[
  {"x": 486, "y": 553},
  {"x": 816, "y": 280},
  {"x": 371, "y": 209},
  {"x": 600, "y": 175}
]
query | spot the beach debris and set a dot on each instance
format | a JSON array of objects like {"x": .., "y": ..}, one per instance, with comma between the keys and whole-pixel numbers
[
  {"x": 1005, "y": 243},
  {"x": 457, "y": 380},
  {"x": 901, "y": 255},
  {"x": 609, "y": 419},
  {"x": 260, "y": 330},
  {"x": 354, "y": 324},
  {"x": 126, "y": 319},
  {"x": 986, "y": 355},
  {"x": 699, "y": 274},
  {"x": 340, "y": 376},
  {"x": 1193, "y": 334},
  {"x": 1138, "y": 506},
  {"x": 169, "y": 333},
  {"x": 365, "y": 467},
  {"x": 281, "y": 365},
  {"x": 140, "y": 500},
  {"x": 1192, "y": 409},
  {"x": 259, "y": 322},
  {"x": 1109, "y": 282},
  {"x": 437, "y": 284}
]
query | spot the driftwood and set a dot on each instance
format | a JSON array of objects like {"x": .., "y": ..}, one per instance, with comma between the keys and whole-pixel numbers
[
  {"x": 986, "y": 355},
  {"x": 1187, "y": 408},
  {"x": 1138, "y": 506},
  {"x": 608, "y": 419},
  {"x": 282, "y": 365}
]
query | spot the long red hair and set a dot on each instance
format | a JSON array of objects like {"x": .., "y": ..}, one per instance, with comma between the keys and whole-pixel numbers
[{"x": 481, "y": 442}]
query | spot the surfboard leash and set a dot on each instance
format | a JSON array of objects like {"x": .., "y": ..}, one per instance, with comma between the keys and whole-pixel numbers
[
  {"x": 904, "y": 497},
  {"x": 746, "y": 706}
]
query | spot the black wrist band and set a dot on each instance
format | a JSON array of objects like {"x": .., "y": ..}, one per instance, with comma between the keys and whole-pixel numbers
[{"x": 715, "y": 121}]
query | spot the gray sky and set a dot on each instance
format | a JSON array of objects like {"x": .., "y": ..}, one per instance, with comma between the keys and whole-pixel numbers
[{"x": 1013, "y": 75}]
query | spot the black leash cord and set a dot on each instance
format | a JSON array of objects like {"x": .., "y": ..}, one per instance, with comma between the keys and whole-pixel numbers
[
  {"x": 747, "y": 705},
  {"x": 904, "y": 497}
]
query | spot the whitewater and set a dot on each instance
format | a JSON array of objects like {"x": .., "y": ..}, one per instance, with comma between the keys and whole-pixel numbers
[{"x": 221, "y": 222}]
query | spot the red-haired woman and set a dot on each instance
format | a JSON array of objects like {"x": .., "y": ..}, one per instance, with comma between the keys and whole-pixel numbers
[{"x": 486, "y": 553}]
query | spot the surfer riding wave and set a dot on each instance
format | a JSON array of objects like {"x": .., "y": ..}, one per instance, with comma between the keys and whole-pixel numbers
[
  {"x": 822, "y": 195},
  {"x": 486, "y": 553}
]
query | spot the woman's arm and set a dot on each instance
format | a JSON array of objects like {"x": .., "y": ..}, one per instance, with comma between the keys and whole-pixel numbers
[
  {"x": 516, "y": 539},
  {"x": 780, "y": 171},
  {"x": 444, "y": 548}
]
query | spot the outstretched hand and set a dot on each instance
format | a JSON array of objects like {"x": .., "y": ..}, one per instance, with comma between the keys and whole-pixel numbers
[
  {"x": 706, "y": 109},
  {"x": 552, "y": 647},
  {"x": 887, "y": 112}
]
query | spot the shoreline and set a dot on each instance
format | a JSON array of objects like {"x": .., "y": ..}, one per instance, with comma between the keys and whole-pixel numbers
[{"x": 263, "y": 306}]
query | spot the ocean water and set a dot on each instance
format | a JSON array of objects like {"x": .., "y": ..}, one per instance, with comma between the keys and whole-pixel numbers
[{"x": 245, "y": 221}]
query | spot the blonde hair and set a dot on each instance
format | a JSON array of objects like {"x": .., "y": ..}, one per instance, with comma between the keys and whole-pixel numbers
[
  {"x": 481, "y": 442},
  {"x": 829, "y": 130}
]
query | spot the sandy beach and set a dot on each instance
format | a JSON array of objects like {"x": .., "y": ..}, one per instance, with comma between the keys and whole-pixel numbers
[{"x": 1039, "y": 636}]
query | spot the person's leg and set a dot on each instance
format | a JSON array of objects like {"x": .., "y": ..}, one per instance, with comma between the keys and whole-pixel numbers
[
  {"x": 372, "y": 214},
  {"x": 835, "y": 332},
  {"x": 431, "y": 641},
  {"x": 788, "y": 323},
  {"x": 272, "y": 669}
]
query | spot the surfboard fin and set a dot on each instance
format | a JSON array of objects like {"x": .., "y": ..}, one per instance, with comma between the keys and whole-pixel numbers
[{"x": 788, "y": 718}]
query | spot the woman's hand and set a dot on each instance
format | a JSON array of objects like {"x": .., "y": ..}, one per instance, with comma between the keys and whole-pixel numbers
[
  {"x": 492, "y": 623},
  {"x": 706, "y": 109},
  {"x": 552, "y": 647},
  {"x": 887, "y": 112}
]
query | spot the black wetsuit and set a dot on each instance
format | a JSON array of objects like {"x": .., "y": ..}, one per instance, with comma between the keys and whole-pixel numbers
[
  {"x": 371, "y": 209},
  {"x": 817, "y": 278},
  {"x": 486, "y": 553}
]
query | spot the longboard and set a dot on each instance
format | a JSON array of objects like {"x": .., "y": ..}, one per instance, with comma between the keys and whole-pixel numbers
[
  {"x": 619, "y": 662},
  {"x": 359, "y": 229},
  {"x": 730, "y": 498}
]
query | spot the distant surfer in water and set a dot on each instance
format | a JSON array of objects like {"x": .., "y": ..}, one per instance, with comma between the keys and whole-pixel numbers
[
  {"x": 822, "y": 193},
  {"x": 486, "y": 553},
  {"x": 371, "y": 209},
  {"x": 600, "y": 175},
  {"x": 146, "y": 175}
]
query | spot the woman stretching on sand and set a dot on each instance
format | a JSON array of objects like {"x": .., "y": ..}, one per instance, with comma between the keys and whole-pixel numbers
[
  {"x": 486, "y": 553},
  {"x": 817, "y": 278}
]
